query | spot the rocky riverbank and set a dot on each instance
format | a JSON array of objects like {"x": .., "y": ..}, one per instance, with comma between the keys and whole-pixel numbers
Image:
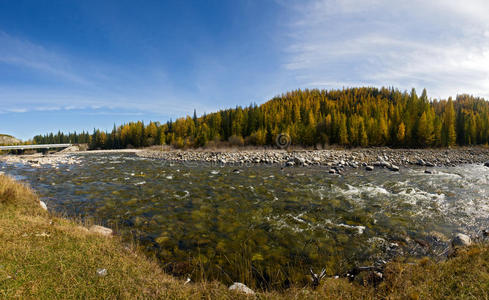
[
  {"x": 337, "y": 160},
  {"x": 64, "y": 157},
  {"x": 38, "y": 160}
]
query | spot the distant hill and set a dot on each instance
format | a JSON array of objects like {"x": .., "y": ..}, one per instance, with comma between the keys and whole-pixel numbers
[
  {"x": 351, "y": 117},
  {"x": 6, "y": 139}
]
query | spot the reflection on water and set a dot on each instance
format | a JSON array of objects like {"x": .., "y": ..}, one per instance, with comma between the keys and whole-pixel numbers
[{"x": 264, "y": 225}]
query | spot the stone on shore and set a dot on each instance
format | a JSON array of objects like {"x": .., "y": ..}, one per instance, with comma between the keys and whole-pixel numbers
[
  {"x": 102, "y": 272},
  {"x": 101, "y": 230},
  {"x": 241, "y": 288},
  {"x": 369, "y": 168},
  {"x": 300, "y": 161},
  {"x": 43, "y": 205},
  {"x": 461, "y": 240}
]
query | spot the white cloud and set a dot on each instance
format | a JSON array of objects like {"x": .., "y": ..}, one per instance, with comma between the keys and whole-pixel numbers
[{"x": 440, "y": 45}]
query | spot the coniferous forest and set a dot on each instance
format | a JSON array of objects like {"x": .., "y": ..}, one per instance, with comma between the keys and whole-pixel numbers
[{"x": 351, "y": 117}]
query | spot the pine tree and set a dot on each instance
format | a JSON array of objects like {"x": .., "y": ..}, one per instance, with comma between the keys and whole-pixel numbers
[
  {"x": 449, "y": 135},
  {"x": 343, "y": 131},
  {"x": 401, "y": 133},
  {"x": 363, "y": 135}
]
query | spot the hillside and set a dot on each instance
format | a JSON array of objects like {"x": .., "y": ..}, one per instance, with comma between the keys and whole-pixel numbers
[
  {"x": 6, "y": 139},
  {"x": 350, "y": 117}
]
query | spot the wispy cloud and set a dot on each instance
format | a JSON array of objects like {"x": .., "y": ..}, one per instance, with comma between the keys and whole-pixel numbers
[
  {"x": 440, "y": 45},
  {"x": 23, "y": 53},
  {"x": 68, "y": 82}
]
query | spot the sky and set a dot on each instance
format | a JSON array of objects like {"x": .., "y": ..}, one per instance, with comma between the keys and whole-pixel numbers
[{"x": 78, "y": 65}]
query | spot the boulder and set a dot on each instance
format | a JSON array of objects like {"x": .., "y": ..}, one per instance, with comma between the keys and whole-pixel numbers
[
  {"x": 461, "y": 240},
  {"x": 100, "y": 230},
  {"x": 486, "y": 164},
  {"x": 241, "y": 288},
  {"x": 369, "y": 168}
]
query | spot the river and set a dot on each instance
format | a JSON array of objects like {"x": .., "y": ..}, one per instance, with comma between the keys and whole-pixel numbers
[{"x": 262, "y": 224}]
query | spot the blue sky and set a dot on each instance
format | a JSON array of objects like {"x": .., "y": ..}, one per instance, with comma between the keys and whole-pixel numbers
[{"x": 76, "y": 65}]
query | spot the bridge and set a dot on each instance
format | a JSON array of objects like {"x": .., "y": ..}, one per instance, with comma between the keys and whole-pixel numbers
[{"x": 40, "y": 146}]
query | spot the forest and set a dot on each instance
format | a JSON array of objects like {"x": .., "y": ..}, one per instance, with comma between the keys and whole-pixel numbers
[{"x": 350, "y": 117}]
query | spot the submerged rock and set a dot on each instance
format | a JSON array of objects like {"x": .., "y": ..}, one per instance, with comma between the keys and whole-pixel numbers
[
  {"x": 241, "y": 288},
  {"x": 394, "y": 168},
  {"x": 290, "y": 164},
  {"x": 461, "y": 240},
  {"x": 100, "y": 230}
]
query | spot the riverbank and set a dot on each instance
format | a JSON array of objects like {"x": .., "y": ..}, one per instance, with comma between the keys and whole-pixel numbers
[
  {"x": 47, "y": 257},
  {"x": 337, "y": 159},
  {"x": 38, "y": 160}
]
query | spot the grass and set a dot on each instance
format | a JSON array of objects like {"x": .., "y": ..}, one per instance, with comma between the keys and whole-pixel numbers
[{"x": 46, "y": 257}]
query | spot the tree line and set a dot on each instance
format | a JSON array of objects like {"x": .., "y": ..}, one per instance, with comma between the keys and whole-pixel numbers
[{"x": 350, "y": 117}]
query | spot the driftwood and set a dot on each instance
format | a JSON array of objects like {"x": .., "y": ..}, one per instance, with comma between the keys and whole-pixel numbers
[
  {"x": 316, "y": 279},
  {"x": 375, "y": 273}
]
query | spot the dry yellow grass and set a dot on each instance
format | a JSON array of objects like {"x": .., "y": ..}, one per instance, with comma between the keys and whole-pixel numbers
[{"x": 46, "y": 257}]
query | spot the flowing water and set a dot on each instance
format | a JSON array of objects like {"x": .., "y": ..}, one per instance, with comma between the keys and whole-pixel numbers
[{"x": 266, "y": 225}]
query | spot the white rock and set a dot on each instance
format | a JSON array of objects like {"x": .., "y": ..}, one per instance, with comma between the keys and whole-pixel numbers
[
  {"x": 43, "y": 205},
  {"x": 102, "y": 272},
  {"x": 81, "y": 228},
  {"x": 461, "y": 240},
  {"x": 101, "y": 230},
  {"x": 239, "y": 287}
]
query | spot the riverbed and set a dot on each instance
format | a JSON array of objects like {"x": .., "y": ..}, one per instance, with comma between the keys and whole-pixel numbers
[{"x": 265, "y": 225}]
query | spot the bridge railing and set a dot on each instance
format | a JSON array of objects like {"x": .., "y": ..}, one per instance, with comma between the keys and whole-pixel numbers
[{"x": 40, "y": 146}]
